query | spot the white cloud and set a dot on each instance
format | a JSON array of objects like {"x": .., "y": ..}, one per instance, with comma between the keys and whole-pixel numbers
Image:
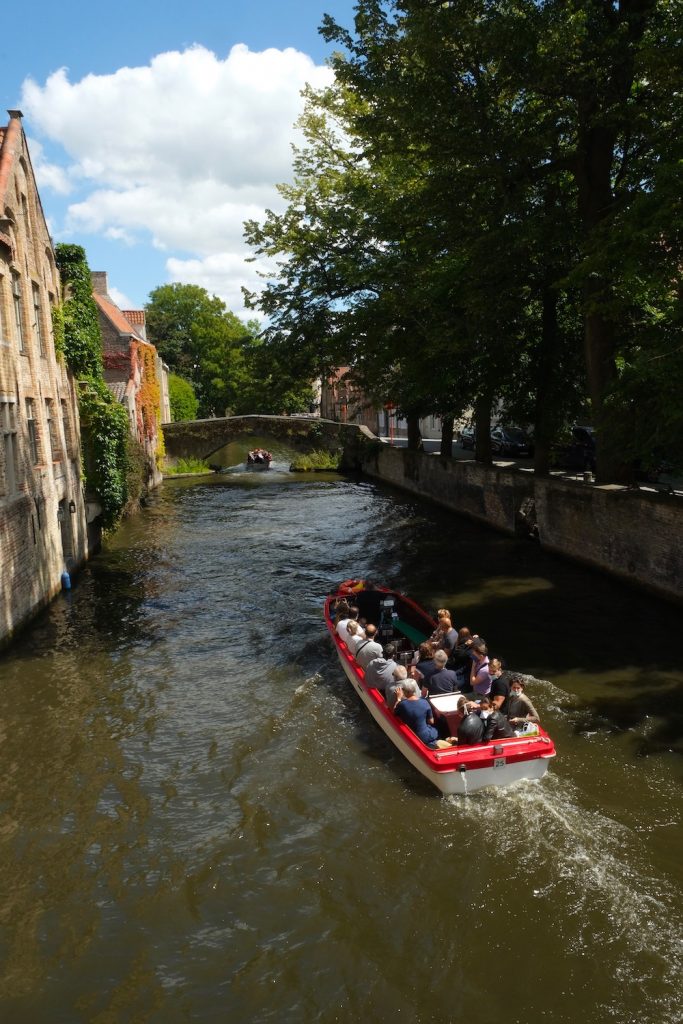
[
  {"x": 182, "y": 151},
  {"x": 48, "y": 175},
  {"x": 119, "y": 298},
  {"x": 222, "y": 274}
]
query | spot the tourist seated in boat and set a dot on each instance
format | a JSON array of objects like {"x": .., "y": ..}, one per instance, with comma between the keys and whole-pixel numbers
[
  {"x": 460, "y": 659},
  {"x": 471, "y": 727},
  {"x": 355, "y": 635},
  {"x": 259, "y": 455},
  {"x": 480, "y": 679},
  {"x": 440, "y": 614},
  {"x": 496, "y": 725},
  {"x": 340, "y": 610},
  {"x": 424, "y": 666},
  {"x": 343, "y": 622},
  {"x": 368, "y": 648},
  {"x": 448, "y": 635},
  {"x": 443, "y": 680},
  {"x": 500, "y": 686},
  {"x": 416, "y": 713},
  {"x": 520, "y": 708},
  {"x": 391, "y": 693},
  {"x": 448, "y": 723},
  {"x": 444, "y": 635},
  {"x": 380, "y": 671}
]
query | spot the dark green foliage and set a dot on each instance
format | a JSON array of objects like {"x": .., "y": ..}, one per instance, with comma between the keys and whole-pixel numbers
[
  {"x": 184, "y": 402},
  {"x": 487, "y": 209},
  {"x": 82, "y": 335},
  {"x": 105, "y": 431},
  {"x": 136, "y": 468},
  {"x": 227, "y": 364}
]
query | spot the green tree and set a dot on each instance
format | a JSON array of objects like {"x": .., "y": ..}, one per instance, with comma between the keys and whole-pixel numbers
[
  {"x": 226, "y": 362},
  {"x": 172, "y": 314},
  {"x": 184, "y": 402}
]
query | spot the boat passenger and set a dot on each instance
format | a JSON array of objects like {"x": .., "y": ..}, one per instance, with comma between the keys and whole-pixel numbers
[
  {"x": 480, "y": 679},
  {"x": 380, "y": 671},
  {"x": 368, "y": 648},
  {"x": 340, "y": 610},
  {"x": 453, "y": 721},
  {"x": 520, "y": 708},
  {"x": 341, "y": 625},
  {"x": 500, "y": 686},
  {"x": 471, "y": 727},
  {"x": 355, "y": 635},
  {"x": 442, "y": 613},
  {"x": 449, "y": 637},
  {"x": 391, "y": 692},
  {"x": 425, "y": 666},
  {"x": 444, "y": 680},
  {"x": 461, "y": 656},
  {"x": 444, "y": 635},
  {"x": 416, "y": 713},
  {"x": 496, "y": 725}
]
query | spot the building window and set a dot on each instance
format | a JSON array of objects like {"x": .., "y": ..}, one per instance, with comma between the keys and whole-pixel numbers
[
  {"x": 32, "y": 431},
  {"x": 8, "y": 425},
  {"x": 66, "y": 427},
  {"x": 52, "y": 430},
  {"x": 18, "y": 315},
  {"x": 38, "y": 332}
]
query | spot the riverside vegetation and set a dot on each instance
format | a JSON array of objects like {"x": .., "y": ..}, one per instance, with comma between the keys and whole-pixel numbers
[
  {"x": 486, "y": 213},
  {"x": 316, "y": 461}
]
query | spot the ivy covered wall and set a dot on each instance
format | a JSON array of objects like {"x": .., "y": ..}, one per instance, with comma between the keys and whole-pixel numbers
[{"x": 106, "y": 439}]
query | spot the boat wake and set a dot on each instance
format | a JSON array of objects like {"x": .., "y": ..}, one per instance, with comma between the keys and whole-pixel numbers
[{"x": 593, "y": 872}]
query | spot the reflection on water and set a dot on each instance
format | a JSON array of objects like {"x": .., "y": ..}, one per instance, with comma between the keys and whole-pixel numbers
[{"x": 199, "y": 821}]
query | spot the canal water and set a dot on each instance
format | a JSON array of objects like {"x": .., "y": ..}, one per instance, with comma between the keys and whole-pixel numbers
[{"x": 200, "y": 822}]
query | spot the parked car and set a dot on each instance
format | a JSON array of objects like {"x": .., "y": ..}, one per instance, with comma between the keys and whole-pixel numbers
[
  {"x": 510, "y": 441},
  {"x": 467, "y": 437},
  {"x": 579, "y": 453}
]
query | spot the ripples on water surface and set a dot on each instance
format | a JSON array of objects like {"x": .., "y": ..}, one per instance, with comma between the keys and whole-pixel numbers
[{"x": 201, "y": 823}]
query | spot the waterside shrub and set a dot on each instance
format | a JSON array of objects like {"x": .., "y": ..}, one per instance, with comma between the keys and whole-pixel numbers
[
  {"x": 188, "y": 466},
  {"x": 316, "y": 461}
]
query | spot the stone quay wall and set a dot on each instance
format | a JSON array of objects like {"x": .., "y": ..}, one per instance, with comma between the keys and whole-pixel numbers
[{"x": 635, "y": 535}]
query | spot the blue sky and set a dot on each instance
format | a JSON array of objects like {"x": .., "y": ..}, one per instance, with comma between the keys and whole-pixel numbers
[{"x": 156, "y": 128}]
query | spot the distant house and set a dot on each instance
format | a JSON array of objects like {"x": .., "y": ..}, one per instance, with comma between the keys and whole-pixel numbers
[
  {"x": 134, "y": 373},
  {"x": 345, "y": 402},
  {"x": 43, "y": 529}
]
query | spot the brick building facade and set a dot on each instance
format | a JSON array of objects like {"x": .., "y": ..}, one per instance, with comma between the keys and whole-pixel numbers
[
  {"x": 43, "y": 529},
  {"x": 129, "y": 363},
  {"x": 345, "y": 402}
]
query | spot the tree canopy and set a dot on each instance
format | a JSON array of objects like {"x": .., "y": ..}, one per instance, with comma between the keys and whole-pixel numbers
[
  {"x": 221, "y": 358},
  {"x": 486, "y": 210}
]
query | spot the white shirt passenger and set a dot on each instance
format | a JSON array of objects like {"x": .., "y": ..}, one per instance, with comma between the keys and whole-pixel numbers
[
  {"x": 354, "y": 640},
  {"x": 343, "y": 632}
]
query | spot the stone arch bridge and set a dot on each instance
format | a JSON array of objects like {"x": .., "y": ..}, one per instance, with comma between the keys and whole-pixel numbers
[{"x": 199, "y": 439}]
